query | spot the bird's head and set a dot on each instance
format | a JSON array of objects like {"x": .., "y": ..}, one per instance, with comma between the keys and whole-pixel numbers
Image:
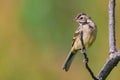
[{"x": 82, "y": 18}]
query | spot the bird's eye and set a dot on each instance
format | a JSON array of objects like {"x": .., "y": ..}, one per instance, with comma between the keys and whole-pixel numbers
[{"x": 81, "y": 17}]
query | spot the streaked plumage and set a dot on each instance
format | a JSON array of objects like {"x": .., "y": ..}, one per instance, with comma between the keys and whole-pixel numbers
[{"x": 89, "y": 35}]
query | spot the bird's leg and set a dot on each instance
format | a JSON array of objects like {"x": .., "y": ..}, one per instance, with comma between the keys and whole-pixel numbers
[
  {"x": 85, "y": 58},
  {"x": 83, "y": 50}
]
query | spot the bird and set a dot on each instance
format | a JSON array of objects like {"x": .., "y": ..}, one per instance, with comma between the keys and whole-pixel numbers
[{"x": 87, "y": 30}]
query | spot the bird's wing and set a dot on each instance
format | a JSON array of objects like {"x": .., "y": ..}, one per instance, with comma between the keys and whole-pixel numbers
[{"x": 76, "y": 35}]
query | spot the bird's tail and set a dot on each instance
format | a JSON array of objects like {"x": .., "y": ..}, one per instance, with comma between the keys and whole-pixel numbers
[{"x": 69, "y": 60}]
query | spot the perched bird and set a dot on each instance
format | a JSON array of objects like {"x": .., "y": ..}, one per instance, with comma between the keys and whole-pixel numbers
[{"x": 89, "y": 30}]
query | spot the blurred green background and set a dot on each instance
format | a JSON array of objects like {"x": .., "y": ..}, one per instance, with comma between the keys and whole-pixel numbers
[{"x": 35, "y": 38}]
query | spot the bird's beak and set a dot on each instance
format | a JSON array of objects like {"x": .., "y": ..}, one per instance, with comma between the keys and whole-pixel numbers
[{"x": 74, "y": 19}]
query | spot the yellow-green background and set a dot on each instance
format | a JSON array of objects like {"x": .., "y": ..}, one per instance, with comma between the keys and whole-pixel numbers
[{"x": 35, "y": 38}]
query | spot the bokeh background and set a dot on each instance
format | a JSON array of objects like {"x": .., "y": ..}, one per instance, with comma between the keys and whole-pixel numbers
[{"x": 35, "y": 38}]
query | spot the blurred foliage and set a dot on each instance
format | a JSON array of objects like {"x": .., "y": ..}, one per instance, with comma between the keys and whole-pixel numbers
[{"x": 35, "y": 37}]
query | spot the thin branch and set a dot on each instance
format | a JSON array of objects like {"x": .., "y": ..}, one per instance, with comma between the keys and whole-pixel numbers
[
  {"x": 88, "y": 68},
  {"x": 112, "y": 40},
  {"x": 83, "y": 50},
  {"x": 110, "y": 64},
  {"x": 114, "y": 56}
]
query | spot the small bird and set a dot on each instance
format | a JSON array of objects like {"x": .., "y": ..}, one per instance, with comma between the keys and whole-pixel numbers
[{"x": 89, "y": 31}]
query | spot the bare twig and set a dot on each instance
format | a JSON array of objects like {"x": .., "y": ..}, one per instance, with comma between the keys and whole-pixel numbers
[
  {"x": 112, "y": 40},
  {"x": 114, "y": 56},
  {"x": 88, "y": 68},
  {"x": 110, "y": 64},
  {"x": 83, "y": 50}
]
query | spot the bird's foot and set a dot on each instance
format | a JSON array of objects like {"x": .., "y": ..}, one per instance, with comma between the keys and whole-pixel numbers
[
  {"x": 85, "y": 60},
  {"x": 83, "y": 50}
]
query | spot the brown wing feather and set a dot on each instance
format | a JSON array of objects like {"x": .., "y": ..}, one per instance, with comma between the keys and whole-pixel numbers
[{"x": 76, "y": 34}]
